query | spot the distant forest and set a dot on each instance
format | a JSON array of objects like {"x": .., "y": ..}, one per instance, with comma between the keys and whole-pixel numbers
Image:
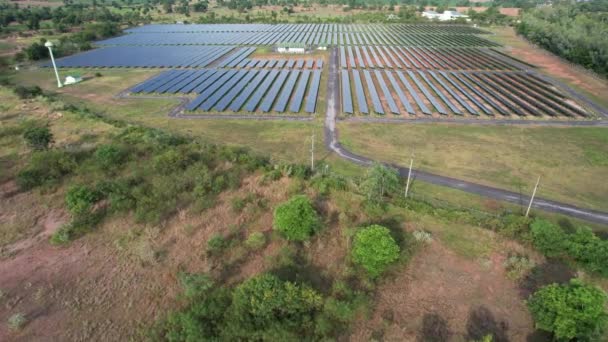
[{"x": 576, "y": 32}]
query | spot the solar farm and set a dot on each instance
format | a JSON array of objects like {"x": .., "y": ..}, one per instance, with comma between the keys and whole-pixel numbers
[{"x": 391, "y": 69}]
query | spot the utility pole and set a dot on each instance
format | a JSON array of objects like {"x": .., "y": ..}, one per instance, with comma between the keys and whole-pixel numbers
[
  {"x": 532, "y": 198},
  {"x": 409, "y": 176},
  {"x": 312, "y": 153},
  {"x": 49, "y": 45}
]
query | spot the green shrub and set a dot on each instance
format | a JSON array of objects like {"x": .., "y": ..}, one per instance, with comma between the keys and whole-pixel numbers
[
  {"x": 296, "y": 219},
  {"x": 374, "y": 249},
  {"x": 238, "y": 204},
  {"x": 255, "y": 241},
  {"x": 216, "y": 244},
  {"x": 589, "y": 250},
  {"x": 195, "y": 285},
  {"x": 80, "y": 199},
  {"x": 266, "y": 308},
  {"x": 548, "y": 238},
  {"x": 45, "y": 167},
  {"x": 38, "y": 137},
  {"x": 570, "y": 311},
  {"x": 24, "y": 92},
  {"x": 16, "y": 321},
  {"x": 109, "y": 156}
]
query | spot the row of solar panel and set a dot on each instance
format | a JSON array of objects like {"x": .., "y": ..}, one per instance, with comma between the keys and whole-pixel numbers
[
  {"x": 281, "y": 63},
  {"x": 249, "y": 90},
  {"x": 400, "y": 28},
  {"x": 145, "y": 57},
  {"x": 506, "y": 93},
  {"x": 425, "y": 58},
  {"x": 299, "y": 37}
]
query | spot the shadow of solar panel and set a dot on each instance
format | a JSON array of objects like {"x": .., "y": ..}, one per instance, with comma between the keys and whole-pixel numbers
[
  {"x": 298, "y": 97},
  {"x": 311, "y": 99}
]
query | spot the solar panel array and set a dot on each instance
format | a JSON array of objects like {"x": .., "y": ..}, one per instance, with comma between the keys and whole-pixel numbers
[
  {"x": 309, "y": 34},
  {"x": 297, "y": 63},
  {"x": 250, "y": 90},
  {"x": 454, "y": 93},
  {"x": 145, "y": 57},
  {"x": 396, "y": 57}
]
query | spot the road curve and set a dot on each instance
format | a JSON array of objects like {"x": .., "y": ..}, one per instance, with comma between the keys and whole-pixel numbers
[{"x": 333, "y": 144}]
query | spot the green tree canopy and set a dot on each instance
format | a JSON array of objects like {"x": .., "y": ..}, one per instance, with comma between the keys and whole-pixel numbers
[
  {"x": 38, "y": 137},
  {"x": 374, "y": 249},
  {"x": 570, "y": 311},
  {"x": 296, "y": 219},
  {"x": 379, "y": 182}
]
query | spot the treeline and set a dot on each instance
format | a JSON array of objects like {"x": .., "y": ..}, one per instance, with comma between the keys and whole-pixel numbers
[
  {"x": 574, "y": 32},
  {"x": 82, "y": 23}
]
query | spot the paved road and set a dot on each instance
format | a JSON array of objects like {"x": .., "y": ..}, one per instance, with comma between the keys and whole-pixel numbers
[{"x": 332, "y": 143}]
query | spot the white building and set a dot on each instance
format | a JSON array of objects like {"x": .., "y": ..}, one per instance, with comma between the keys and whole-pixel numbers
[
  {"x": 430, "y": 14},
  {"x": 72, "y": 79},
  {"x": 291, "y": 48},
  {"x": 445, "y": 16}
]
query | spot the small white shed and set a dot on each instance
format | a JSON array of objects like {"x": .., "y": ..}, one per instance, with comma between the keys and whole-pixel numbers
[{"x": 72, "y": 79}]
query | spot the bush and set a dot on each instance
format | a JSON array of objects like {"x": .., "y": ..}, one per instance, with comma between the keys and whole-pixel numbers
[
  {"x": 80, "y": 199},
  {"x": 266, "y": 308},
  {"x": 255, "y": 241},
  {"x": 374, "y": 249},
  {"x": 296, "y": 219},
  {"x": 24, "y": 92},
  {"x": 570, "y": 311},
  {"x": 16, "y": 321},
  {"x": 216, "y": 244},
  {"x": 45, "y": 167},
  {"x": 195, "y": 285},
  {"x": 37, "y": 137},
  {"x": 109, "y": 156},
  {"x": 518, "y": 265},
  {"x": 548, "y": 238}
]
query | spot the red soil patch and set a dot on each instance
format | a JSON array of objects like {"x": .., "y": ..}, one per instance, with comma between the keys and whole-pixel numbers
[{"x": 437, "y": 281}]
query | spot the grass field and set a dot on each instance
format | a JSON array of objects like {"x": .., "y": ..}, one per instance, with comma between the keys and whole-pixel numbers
[{"x": 572, "y": 162}]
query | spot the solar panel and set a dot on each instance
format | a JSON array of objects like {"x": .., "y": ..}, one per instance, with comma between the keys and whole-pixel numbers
[
  {"x": 373, "y": 93},
  {"x": 205, "y": 94},
  {"x": 138, "y": 88},
  {"x": 361, "y": 101},
  {"x": 342, "y": 57},
  {"x": 213, "y": 99},
  {"x": 311, "y": 99},
  {"x": 286, "y": 92},
  {"x": 478, "y": 93},
  {"x": 281, "y": 63},
  {"x": 252, "y": 104},
  {"x": 290, "y": 63},
  {"x": 299, "y": 63},
  {"x": 454, "y": 95},
  {"x": 309, "y": 63},
  {"x": 188, "y": 88},
  {"x": 428, "y": 95},
  {"x": 271, "y": 63},
  {"x": 251, "y": 87},
  {"x": 319, "y": 63},
  {"x": 225, "y": 101},
  {"x": 387, "y": 94},
  {"x": 400, "y": 94},
  {"x": 262, "y": 63},
  {"x": 274, "y": 91},
  {"x": 347, "y": 100},
  {"x": 439, "y": 93},
  {"x": 298, "y": 96},
  {"x": 209, "y": 81},
  {"x": 414, "y": 94}
]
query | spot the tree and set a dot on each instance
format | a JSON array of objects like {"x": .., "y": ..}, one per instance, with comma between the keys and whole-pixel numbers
[
  {"x": 296, "y": 219},
  {"x": 109, "y": 156},
  {"x": 38, "y": 137},
  {"x": 570, "y": 311},
  {"x": 379, "y": 182},
  {"x": 374, "y": 249}
]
